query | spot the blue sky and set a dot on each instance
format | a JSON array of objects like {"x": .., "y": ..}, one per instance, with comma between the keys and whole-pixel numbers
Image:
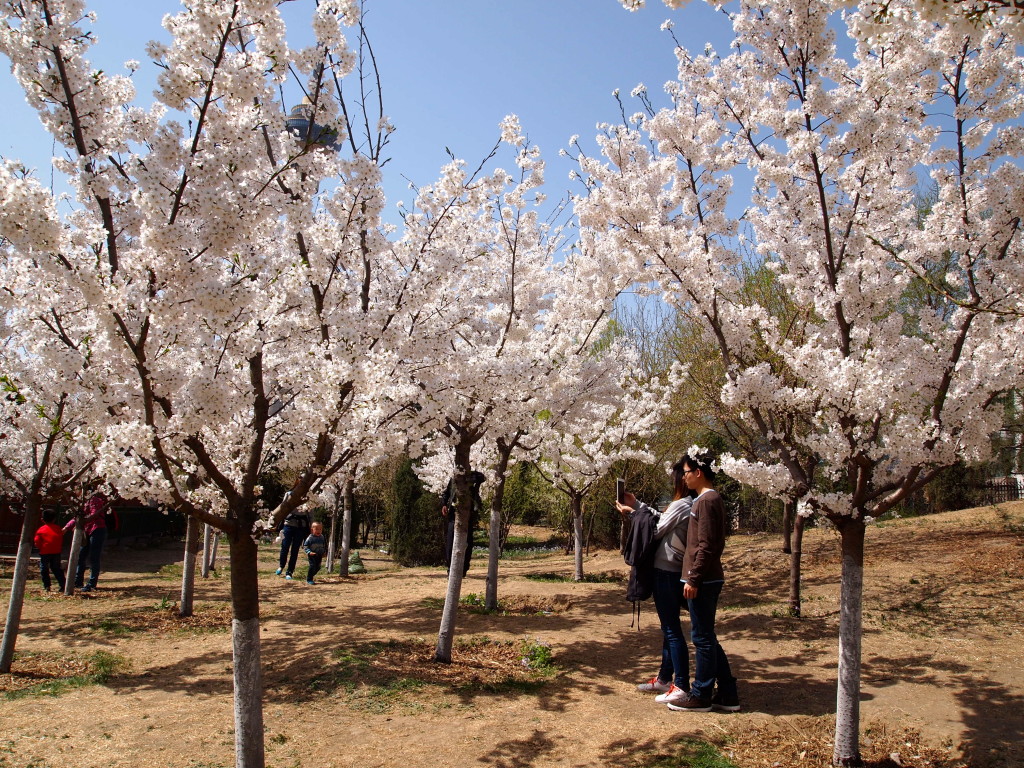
[{"x": 451, "y": 70}]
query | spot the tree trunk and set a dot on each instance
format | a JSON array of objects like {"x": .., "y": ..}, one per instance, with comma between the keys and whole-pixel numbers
[
  {"x": 847, "y": 746},
  {"x": 245, "y": 646},
  {"x": 28, "y": 529},
  {"x": 332, "y": 541},
  {"x": 207, "y": 542},
  {"x": 794, "y": 564},
  {"x": 188, "y": 567},
  {"x": 346, "y": 524},
  {"x": 213, "y": 552},
  {"x": 1018, "y": 439},
  {"x": 76, "y": 550},
  {"x": 577, "y": 531},
  {"x": 494, "y": 539},
  {"x": 788, "y": 515},
  {"x": 464, "y": 507}
]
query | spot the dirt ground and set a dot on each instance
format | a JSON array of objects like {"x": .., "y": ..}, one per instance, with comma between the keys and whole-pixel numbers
[{"x": 349, "y": 681}]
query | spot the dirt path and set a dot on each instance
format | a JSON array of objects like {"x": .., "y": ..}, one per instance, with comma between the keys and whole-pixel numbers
[{"x": 348, "y": 682}]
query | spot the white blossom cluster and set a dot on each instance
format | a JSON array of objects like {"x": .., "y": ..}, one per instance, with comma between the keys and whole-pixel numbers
[
  {"x": 224, "y": 298},
  {"x": 218, "y": 312},
  {"x": 886, "y": 209}
]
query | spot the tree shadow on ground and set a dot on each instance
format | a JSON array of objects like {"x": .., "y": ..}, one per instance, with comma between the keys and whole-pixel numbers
[
  {"x": 522, "y": 753},
  {"x": 994, "y": 725},
  {"x": 207, "y": 674}
]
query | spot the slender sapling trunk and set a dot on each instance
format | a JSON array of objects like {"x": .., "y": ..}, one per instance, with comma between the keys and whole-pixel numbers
[
  {"x": 788, "y": 513},
  {"x": 577, "y": 531},
  {"x": 14, "y": 607},
  {"x": 794, "y": 565},
  {"x": 346, "y": 524},
  {"x": 188, "y": 566},
  {"x": 77, "y": 536},
  {"x": 207, "y": 541},
  {"x": 494, "y": 538}
]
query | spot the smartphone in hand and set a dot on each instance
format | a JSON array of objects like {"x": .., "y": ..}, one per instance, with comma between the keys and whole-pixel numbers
[{"x": 620, "y": 491}]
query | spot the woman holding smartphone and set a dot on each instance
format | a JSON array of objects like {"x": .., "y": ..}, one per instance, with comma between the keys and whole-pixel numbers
[{"x": 673, "y": 679}]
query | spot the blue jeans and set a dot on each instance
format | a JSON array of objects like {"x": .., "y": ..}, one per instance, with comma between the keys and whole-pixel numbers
[
  {"x": 291, "y": 543},
  {"x": 710, "y": 661},
  {"x": 48, "y": 564},
  {"x": 314, "y": 565},
  {"x": 668, "y": 600},
  {"x": 92, "y": 551}
]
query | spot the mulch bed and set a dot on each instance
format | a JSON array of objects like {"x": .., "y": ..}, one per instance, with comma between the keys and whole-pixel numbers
[
  {"x": 31, "y": 669},
  {"x": 808, "y": 741}
]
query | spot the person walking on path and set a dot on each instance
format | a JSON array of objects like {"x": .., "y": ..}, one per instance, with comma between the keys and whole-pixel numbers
[
  {"x": 703, "y": 579},
  {"x": 49, "y": 540},
  {"x": 293, "y": 532},
  {"x": 673, "y": 678},
  {"x": 94, "y": 526},
  {"x": 315, "y": 546}
]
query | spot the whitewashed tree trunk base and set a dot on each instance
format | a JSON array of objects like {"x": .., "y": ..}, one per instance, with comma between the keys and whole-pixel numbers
[
  {"x": 846, "y": 750},
  {"x": 245, "y": 641}
]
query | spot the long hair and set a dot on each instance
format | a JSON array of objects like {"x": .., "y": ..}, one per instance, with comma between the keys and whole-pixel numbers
[{"x": 678, "y": 482}]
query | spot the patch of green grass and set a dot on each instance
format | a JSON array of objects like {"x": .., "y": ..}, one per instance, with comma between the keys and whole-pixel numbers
[
  {"x": 520, "y": 542},
  {"x": 349, "y": 665},
  {"x": 112, "y": 626},
  {"x": 692, "y": 753},
  {"x": 101, "y": 666},
  {"x": 472, "y": 602},
  {"x": 1009, "y": 524},
  {"x": 385, "y": 696},
  {"x": 605, "y": 577},
  {"x": 164, "y": 604},
  {"x": 531, "y": 552},
  {"x": 537, "y": 656},
  {"x": 171, "y": 571},
  {"x": 514, "y": 685}
]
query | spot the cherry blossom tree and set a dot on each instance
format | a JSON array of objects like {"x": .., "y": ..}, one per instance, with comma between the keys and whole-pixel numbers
[
  {"x": 880, "y": 391},
  {"x": 240, "y": 311},
  {"x": 605, "y": 415},
  {"x": 498, "y": 316},
  {"x": 47, "y": 439},
  {"x": 46, "y": 451}
]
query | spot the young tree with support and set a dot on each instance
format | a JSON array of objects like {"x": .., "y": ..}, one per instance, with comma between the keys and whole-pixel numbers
[{"x": 885, "y": 391}]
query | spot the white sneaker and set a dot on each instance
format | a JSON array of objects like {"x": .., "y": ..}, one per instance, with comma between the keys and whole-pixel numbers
[
  {"x": 672, "y": 696},
  {"x": 654, "y": 684}
]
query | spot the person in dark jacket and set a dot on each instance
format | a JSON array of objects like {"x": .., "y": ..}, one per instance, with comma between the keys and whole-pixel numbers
[
  {"x": 294, "y": 531},
  {"x": 94, "y": 526},
  {"x": 315, "y": 547},
  {"x": 703, "y": 578}
]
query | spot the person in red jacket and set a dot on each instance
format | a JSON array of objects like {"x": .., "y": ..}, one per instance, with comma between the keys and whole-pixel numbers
[{"x": 49, "y": 540}]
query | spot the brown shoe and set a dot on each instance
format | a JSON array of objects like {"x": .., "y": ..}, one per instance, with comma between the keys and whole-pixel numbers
[{"x": 690, "y": 703}]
